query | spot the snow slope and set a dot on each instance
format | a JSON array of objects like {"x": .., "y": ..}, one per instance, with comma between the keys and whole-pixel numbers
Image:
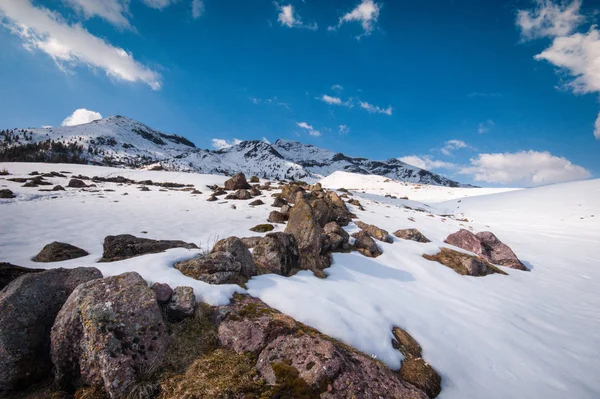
[
  {"x": 120, "y": 141},
  {"x": 530, "y": 334}
]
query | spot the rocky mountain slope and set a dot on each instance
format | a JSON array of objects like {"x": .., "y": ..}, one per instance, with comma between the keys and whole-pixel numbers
[{"x": 120, "y": 141}]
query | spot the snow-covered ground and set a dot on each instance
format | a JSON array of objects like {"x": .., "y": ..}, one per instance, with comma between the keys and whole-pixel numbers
[{"x": 528, "y": 335}]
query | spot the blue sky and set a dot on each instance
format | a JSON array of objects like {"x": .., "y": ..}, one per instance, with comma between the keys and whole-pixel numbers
[{"x": 453, "y": 86}]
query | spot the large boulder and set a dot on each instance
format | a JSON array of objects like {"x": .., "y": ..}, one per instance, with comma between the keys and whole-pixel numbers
[
  {"x": 108, "y": 332},
  {"x": 305, "y": 228},
  {"x": 59, "y": 251},
  {"x": 28, "y": 308},
  {"x": 238, "y": 249},
  {"x": 375, "y": 232},
  {"x": 181, "y": 304},
  {"x": 277, "y": 217},
  {"x": 76, "y": 183},
  {"x": 251, "y": 242},
  {"x": 126, "y": 246},
  {"x": 277, "y": 253},
  {"x": 7, "y": 194},
  {"x": 486, "y": 245},
  {"x": 366, "y": 245},
  {"x": 464, "y": 264},
  {"x": 162, "y": 291},
  {"x": 10, "y": 272},
  {"x": 237, "y": 182},
  {"x": 241, "y": 194},
  {"x": 289, "y": 192},
  {"x": 214, "y": 268},
  {"x": 338, "y": 212},
  {"x": 412, "y": 235},
  {"x": 337, "y": 237}
]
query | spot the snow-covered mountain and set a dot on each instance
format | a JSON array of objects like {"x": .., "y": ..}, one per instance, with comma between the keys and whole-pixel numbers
[{"x": 120, "y": 141}]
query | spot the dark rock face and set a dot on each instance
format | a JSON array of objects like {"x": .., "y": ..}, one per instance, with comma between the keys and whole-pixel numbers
[
  {"x": 182, "y": 304},
  {"x": 277, "y": 253},
  {"x": 212, "y": 198},
  {"x": 366, "y": 245},
  {"x": 279, "y": 202},
  {"x": 464, "y": 264},
  {"x": 76, "y": 183},
  {"x": 262, "y": 228},
  {"x": 256, "y": 202},
  {"x": 305, "y": 228},
  {"x": 28, "y": 308},
  {"x": 488, "y": 246},
  {"x": 241, "y": 194},
  {"x": 375, "y": 232},
  {"x": 319, "y": 365},
  {"x": 337, "y": 237},
  {"x": 126, "y": 246},
  {"x": 9, "y": 272},
  {"x": 277, "y": 217},
  {"x": 7, "y": 194},
  {"x": 58, "y": 188},
  {"x": 59, "y": 251},
  {"x": 240, "y": 253},
  {"x": 215, "y": 268},
  {"x": 411, "y": 234},
  {"x": 106, "y": 333},
  {"x": 338, "y": 212},
  {"x": 163, "y": 292},
  {"x": 238, "y": 181}
]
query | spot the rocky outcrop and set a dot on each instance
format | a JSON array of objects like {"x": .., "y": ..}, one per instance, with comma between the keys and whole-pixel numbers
[
  {"x": 59, "y": 251},
  {"x": 241, "y": 194},
  {"x": 464, "y": 264},
  {"x": 251, "y": 242},
  {"x": 126, "y": 246},
  {"x": 28, "y": 308},
  {"x": 412, "y": 235},
  {"x": 486, "y": 245},
  {"x": 181, "y": 304},
  {"x": 277, "y": 253},
  {"x": 375, "y": 232},
  {"x": 289, "y": 192},
  {"x": 278, "y": 202},
  {"x": 366, "y": 245},
  {"x": 237, "y": 182},
  {"x": 7, "y": 194},
  {"x": 240, "y": 253},
  {"x": 305, "y": 228},
  {"x": 10, "y": 272},
  {"x": 277, "y": 217},
  {"x": 108, "y": 332},
  {"x": 337, "y": 237},
  {"x": 214, "y": 268},
  {"x": 76, "y": 183}
]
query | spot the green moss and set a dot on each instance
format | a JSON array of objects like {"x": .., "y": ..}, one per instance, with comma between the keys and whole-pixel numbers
[
  {"x": 263, "y": 228},
  {"x": 288, "y": 383}
]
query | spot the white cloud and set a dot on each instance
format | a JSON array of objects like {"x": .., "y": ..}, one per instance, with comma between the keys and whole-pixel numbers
[
  {"x": 265, "y": 140},
  {"x": 426, "y": 162},
  {"x": 549, "y": 19},
  {"x": 485, "y": 126},
  {"x": 597, "y": 127},
  {"x": 220, "y": 144},
  {"x": 367, "y": 13},
  {"x": 71, "y": 45},
  {"x": 310, "y": 129},
  {"x": 452, "y": 145},
  {"x": 114, "y": 11},
  {"x": 159, "y": 4},
  {"x": 344, "y": 129},
  {"x": 337, "y": 88},
  {"x": 526, "y": 168},
  {"x": 335, "y": 100},
  {"x": 373, "y": 109},
  {"x": 197, "y": 8},
  {"x": 288, "y": 17},
  {"x": 81, "y": 116}
]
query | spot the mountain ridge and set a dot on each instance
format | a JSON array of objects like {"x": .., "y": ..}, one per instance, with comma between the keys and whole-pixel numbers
[{"x": 121, "y": 141}]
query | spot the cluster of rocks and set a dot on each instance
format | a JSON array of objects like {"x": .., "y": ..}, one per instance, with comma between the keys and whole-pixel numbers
[{"x": 242, "y": 190}]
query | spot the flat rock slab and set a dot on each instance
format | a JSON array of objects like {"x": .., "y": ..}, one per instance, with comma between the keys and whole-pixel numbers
[{"x": 126, "y": 246}]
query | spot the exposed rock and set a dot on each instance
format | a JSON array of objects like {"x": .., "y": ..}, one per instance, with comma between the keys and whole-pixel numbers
[
  {"x": 182, "y": 304},
  {"x": 285, "y": 209},
  {"x": 215, "y": 268},
  {"x": 240, "y": 253},
  {"x": 212, "y": 198},
  {"x": 464, "y": 264},
  {"x": 289, "y": 192},
  {"x": 262, "y": 228},
  {"x": 108, "y": 332},
  {"x": 126, "y": 246},
  {"x": 219, "y": 191},
  {"x": 411, "y": 234},
  {"x": 144, "y": 188},
  {"x": 306, "y": 230},
  {"x": 366, "y": 245},
  {"x": 277, "y": 217},
  {"x": 338, "y": 212},
  {"x": 277, "y": 253},
  {"x": 196, "y": 192},
  {"x": 279, "y": 202},
  {"x": 355, "y": 202},
  {"x": 251, "y": 242},
  {"x": 255, "y": 192},
  {"x": 238, "y": 181},
  {"x": 254, "y": 179},
  {"x": 58, "y": 188},
  {"x": 338, "y": 237},
  {"x": 405, "y": 343},
  {"x": 59, "y": 251},
  {"x": 420, "y": 374},
  {"x": 9, "y": 272},
  {"x": 486, "y": 245},
  {"x": 241, "y": 194},
  {"x": 322, "y": 211},
  {"x": 28, "y": 308},
  {"x": 163, "y": 292},
  {"x": 375, "y": 232},
  {"x": 256, "y": 202},
  {"x": 76, "y": 183},
  {"x": 7, "y": 194}
]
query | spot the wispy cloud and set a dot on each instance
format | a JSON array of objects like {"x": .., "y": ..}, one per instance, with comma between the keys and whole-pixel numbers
[
  {"x": 366, "y": 13},
  {"x": 288, "y": 17},
  {"x": 198, "y": 8},
  {"x": 337, "y": 88},
  {"x": 451, "y": 145},
  {"x": 426, "y": 162},
  {"x": 374, "y": 109},
  {"x": 115, "y": 12},
  {"x": 158, "y": 4},
  {"x": 335, "y": 101},
  {"x": 344, "y": 129},
  {"x": 549, "y": 19},
  {"x": 220, "y": 144},
  {"x": 485, "y": 126},
  {"x": 270, "y": 101},
  {"x": 312, "y": 131},
  {"x": 81, "y": 116},
  {"x": 527, "y": 168},
  {"x": 71, "y": 45}
]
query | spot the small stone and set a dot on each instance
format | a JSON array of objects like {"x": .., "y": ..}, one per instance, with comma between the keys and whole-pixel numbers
[
  {"x": 163, "y": 292},
  {"x": 182, "y": 303}
]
